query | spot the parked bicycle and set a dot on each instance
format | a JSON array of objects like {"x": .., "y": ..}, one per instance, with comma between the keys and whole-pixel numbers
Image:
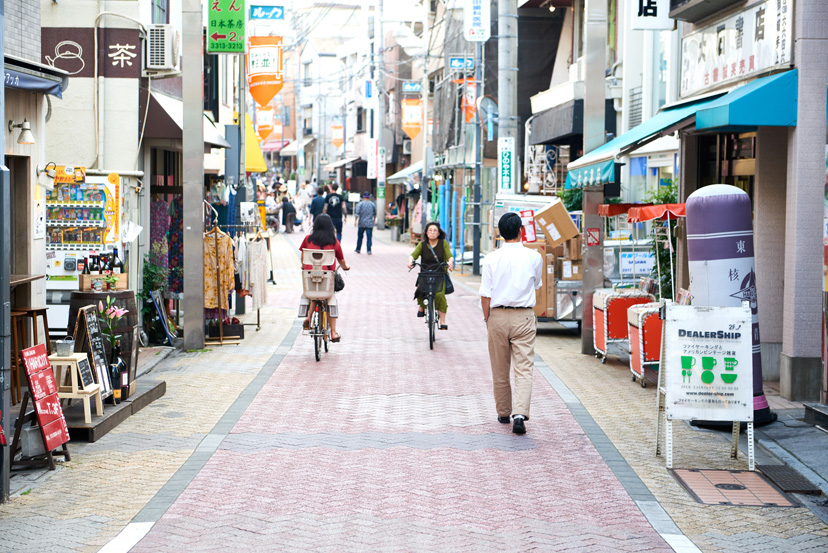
[{"x": 429, "y": 283}]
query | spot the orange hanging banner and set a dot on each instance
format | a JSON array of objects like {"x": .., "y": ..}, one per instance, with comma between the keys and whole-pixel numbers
[
  {"x": 265, "y": 75},
  {"x": 337, "y": 135},
  {"x": 412, "y": 117},
  {"x": 264, "y": 121},
  {"x": 470, "y": 101},
  {"x": 277, "y": 129}
]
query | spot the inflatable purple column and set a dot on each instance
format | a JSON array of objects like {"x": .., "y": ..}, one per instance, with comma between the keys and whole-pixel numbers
[{"x": 722, "y": 270}]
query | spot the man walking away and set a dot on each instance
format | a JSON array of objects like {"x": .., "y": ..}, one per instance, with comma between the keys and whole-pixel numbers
[
  {"x": 511, "y": 275},
  {"x": 365, "y": 212},
  {"x": 335, "y": 208},
  {"x": 317, "y": 205}
]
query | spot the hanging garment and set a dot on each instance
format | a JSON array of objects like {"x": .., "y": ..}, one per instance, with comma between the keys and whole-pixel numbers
[
  {"x": 176, "y": 244},
  {"x": 257, "y": 256},
  {"x": 159, "y": 227},
  {"x": 218, "y": 269}
]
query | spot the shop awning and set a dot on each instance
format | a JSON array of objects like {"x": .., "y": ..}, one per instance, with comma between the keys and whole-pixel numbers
[
  {"x": 651, "y": 212},
  {"x": 274, "y": 145},
  {"x": 340, "y": 163},
  {"x": 34, "y": 77},
  {"x": 614, "y": 210},
  {"x": 766, "y": 102},
  {"x": 402, "y": 176},
  {"x": 253, "y": 159},
  {"x": 166, "y": 120},
  {"x": 598, "y": 166},
  {"x": 294, "y": 146}
]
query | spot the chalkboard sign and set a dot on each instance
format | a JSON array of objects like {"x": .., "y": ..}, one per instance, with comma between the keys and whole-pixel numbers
[
  {"x": 89, "y": 340},
  {"x": 86, "y": 373}
]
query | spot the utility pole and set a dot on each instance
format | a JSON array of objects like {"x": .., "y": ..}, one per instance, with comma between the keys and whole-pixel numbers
[
  {"x": 193, "y": 178},
  {"x": 507, "y": 68},
  {"x": 478, "y": 79},
  {"x": 380, "y": 120},
  {"x": 594, "y": 106},
  {"x": 426, "y": 168}
]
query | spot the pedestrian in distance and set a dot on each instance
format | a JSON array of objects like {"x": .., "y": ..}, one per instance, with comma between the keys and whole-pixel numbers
[
  {"x": 511, "y": 274},
  {"x": 322, "y": 238},
  {"x": 317, "y": 205},
  {"x": 364, "y": 216},
  {"x": 335, "y": 209},
  {"x": 433, "y": 250},
  {"x": 288, "y": 214}
]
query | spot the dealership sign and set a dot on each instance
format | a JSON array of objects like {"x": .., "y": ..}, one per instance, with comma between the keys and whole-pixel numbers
[{"x": 746, "y": 44}]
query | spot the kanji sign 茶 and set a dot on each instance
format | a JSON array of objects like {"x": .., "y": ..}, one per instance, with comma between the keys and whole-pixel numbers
[{"x": 225, "y": 27}]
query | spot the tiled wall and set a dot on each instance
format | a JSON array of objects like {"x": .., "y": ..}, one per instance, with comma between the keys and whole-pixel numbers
[{"x": 22, "y": 29}]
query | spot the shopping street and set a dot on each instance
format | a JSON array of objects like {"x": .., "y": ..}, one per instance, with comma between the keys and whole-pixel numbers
[{"x": 387, "y": 446}]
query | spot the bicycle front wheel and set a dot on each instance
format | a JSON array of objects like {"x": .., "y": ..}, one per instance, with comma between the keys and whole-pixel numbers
[{"x": 432, "y": 323}]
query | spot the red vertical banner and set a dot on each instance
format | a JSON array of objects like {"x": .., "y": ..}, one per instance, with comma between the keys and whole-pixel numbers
[
  {"x": 337, "y": 135},
  {"x": 412, "y": 117},
  {"x": 265, "y": 75},
  {"x": 470, "y": 101},
  {"x": 264, "y": 121}
]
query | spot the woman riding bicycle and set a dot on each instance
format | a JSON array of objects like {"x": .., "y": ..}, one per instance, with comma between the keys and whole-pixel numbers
[
  {"x": 435, "y": 251},
  {"x": 323, "y": 237}
]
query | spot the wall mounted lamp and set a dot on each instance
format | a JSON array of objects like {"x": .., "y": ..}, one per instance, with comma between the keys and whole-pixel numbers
[
  {"x": 25, "y": 136},
  {"x": 50, "y": 170}
]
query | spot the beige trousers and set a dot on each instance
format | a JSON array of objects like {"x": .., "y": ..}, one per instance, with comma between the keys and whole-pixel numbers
[{"x": 512, "y": 344}]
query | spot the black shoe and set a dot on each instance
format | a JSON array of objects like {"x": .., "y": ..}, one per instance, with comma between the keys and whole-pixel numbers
[
  {"x": 357, "y": 251},
  {"x": 421, "y": 313},
  {"x": 518, "y": 427},
  {"x": 503, "y": 420}
]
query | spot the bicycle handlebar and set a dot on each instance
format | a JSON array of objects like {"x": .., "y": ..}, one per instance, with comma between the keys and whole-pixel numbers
[{"x": 414, "y": 264}]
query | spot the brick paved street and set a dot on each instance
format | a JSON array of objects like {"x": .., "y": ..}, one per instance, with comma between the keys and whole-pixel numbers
[{"x": 387, "y": 446}]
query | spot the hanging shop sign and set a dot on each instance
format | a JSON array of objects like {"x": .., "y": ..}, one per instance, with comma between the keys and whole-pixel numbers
[
  {"x": 708, "y": 363},
  {"x": 461, "y": 63},
  {"x": 264, "y": 121},
  {"x": 381, "y": 170},
  {"x": 337, "y": 135},
  {"x": 505, "y": 164},
  {"x": 412, "y": 117},
  {"x": 412, "y": 87},
  {"x": 373, "y": 154},
  {"x": 477, "y": 20},
  {"x": 648, "y": 15},
  {"x": 225, "y": 27},
  {"x": 265, "y": 75},
  {"x": 743, "y": 45},
  {"x": 277, "y": 129}
]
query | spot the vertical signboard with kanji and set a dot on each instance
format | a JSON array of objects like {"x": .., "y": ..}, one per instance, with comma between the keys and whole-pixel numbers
[
  {"x": 412, "y": 117},
  {"x": 505, "y": 164},
  {"x": 225, "y": 27},
  {"x": 477, "y": 24},
  {"x": 265, "y": 75},
  {"x": 44, "y": 394},
  {"x": 373, "y": 145}
]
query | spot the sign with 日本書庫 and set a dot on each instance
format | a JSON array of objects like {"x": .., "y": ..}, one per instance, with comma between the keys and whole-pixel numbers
[{"x": 708, "y": 363}]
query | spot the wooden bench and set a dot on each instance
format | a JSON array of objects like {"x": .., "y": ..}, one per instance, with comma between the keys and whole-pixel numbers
[{"x": 78, "y": 383}]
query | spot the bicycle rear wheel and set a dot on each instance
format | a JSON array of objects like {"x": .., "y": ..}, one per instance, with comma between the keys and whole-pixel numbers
[
  {"x": 317, "y": 333},
  {"x": 432, "y": 323}
]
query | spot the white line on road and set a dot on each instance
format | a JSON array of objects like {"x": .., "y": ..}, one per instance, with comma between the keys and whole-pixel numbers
[{"x": 128, "y": 538}]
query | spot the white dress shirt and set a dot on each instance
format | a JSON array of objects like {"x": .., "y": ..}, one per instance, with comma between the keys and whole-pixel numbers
[{"x": 511, "y": 274}]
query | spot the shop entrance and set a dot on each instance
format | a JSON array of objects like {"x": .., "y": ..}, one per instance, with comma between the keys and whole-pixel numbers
[
  {"x": 21, "y": 215},
  {"x": 728, "y": 158}
]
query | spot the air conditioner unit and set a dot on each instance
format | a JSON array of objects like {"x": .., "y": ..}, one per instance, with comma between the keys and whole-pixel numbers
[
  {"x": 406, "y": 146},
  {"x": 162, "y": 50}
]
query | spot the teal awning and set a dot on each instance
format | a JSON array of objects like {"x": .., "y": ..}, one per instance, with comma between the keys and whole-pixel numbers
[
  {"x": 766, "y": 102},
  {"x": 403, "y": 175},
  {"x": 598, "y": 166}
]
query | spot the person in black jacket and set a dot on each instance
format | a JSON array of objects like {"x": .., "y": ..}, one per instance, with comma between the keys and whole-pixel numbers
[
  {"x": 317, "y": 205},
  {"x": 288, "y": 214}
]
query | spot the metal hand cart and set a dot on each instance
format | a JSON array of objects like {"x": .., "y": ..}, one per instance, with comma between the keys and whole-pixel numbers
[
  {"x": 609, "y": 316},
  {"x": 644, "y": 329}
]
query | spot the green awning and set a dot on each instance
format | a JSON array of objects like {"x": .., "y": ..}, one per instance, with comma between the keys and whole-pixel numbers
[
  {"x": 766, "y": 102},
  {"x": 597, "y": 168}
]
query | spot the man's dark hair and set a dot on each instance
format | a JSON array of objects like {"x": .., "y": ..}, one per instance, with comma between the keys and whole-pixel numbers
[
  {"x": 334, "y": 187},
  {"x": 320, "y": 191},
  {"x": 509, "y": 226}
]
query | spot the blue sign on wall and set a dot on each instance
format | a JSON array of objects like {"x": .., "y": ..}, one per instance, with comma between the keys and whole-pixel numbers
[
  {"x": 267, "y": 12},
  {"x": 412, "y": 86}
]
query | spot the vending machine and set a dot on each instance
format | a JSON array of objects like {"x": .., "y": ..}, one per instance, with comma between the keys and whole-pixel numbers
[{"x": 83, "y": 218}]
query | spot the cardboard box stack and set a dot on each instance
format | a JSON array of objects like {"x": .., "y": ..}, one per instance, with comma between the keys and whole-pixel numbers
[{"x": 540, "y": 293}]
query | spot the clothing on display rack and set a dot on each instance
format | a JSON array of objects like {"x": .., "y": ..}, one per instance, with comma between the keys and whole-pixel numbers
[
  {"x": 176, "y": 244},
  {"x": 257, "y": 273},
  {"x": 218, "y": 269},
  {"x": 159, "y": 227}
]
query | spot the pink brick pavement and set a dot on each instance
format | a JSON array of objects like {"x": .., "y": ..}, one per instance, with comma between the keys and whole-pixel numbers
[{"x": 308, "y": 467}]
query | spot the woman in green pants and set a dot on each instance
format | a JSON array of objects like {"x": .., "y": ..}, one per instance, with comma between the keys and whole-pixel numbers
[{"x": 433, "y": 250}]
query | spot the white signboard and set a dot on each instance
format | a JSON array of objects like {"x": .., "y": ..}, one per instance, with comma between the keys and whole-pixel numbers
[
  {"x": 638, "y": 263},
  {"x": 381, "y": 161},
  {"x": 373, "y": 144},
  {"x": 651, "y": 15},
  {"x": 748, "y": 43},
  {"x": 708, "y": 363},
  {"x": 505, "y": 164},
  {"x": 477, "y": 20}
]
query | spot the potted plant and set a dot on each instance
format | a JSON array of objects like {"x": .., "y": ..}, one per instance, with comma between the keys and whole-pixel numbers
[
  {"x": 110, "y": 315},
  {"x": 156, "y": 276},
  {"x": 110, "y": 280}
]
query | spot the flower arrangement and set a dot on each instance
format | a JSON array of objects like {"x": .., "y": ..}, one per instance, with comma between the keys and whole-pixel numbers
[{"x": 110, "y": 314}]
